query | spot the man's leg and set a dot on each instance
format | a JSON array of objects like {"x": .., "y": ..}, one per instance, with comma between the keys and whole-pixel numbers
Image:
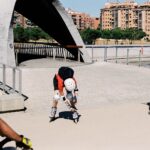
[
  {"x": 54, "y": 104},
  {"x": 53, "y": 112},
  {"x": 71, "y": 102}
]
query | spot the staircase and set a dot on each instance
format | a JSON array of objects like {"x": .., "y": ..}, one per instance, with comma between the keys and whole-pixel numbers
[{"x": 11, "y": 100}]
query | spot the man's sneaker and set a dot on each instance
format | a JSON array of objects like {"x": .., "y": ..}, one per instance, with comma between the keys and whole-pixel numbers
[
  {"x": 53, "y": 113},
  {"x": 75, "y": 115},
  {"x": 25, "y": 143}
]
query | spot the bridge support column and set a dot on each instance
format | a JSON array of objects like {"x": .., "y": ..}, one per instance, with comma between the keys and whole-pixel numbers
[{"x": 6, "y": 33}]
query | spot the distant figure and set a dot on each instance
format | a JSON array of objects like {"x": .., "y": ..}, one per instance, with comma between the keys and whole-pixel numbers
[
  {"x": 148, "y": 104},
  {"x": 64, "y": 79},
  {"x": 10, "y": 135}
]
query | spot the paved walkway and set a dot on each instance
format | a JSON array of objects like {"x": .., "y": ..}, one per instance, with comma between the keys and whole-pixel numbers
[{"x": 110, "y": 102}]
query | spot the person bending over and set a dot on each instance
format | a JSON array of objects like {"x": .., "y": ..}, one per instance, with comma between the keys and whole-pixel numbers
[{"x": 65, "y": 88}]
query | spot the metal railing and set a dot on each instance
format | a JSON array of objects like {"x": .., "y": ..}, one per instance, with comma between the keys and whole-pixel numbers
[
  {"x": 125, "y": 54},
  {"x": 13, "y": 88},
  {"x": 46, "y": 49}
]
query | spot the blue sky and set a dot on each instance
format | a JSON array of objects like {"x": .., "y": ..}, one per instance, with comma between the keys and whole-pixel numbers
[{"x": 91, "y": 7}]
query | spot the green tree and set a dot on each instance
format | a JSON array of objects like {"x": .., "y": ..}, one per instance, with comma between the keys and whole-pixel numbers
[
  {"x": 20, "y": 35},
  {"x": 139, "y": 34},
  {"x": 116, "y": 34},
  {"x": 35, "y": 33},
  {"x": 134, "y": 34},
  {"x": 31, "y": 33},
  {"x": 89, "y": 35},
  {"x": 106, "y": 34}
]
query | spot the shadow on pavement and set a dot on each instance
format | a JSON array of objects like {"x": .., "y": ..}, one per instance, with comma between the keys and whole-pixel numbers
[
  {"x": 9, "y": 148},
  {"x": 68, "y": 115}
]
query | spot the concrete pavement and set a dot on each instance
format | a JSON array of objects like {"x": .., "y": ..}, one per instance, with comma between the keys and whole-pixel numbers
[{"x": 110, "y": 102}]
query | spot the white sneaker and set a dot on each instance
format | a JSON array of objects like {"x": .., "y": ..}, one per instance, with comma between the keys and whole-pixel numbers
[
  {"x": 75, "y": 115},
  {"x": 53, "y": 112}
]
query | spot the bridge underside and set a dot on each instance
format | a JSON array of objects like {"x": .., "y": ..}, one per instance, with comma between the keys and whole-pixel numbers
[{"x": 52, "y": 18}]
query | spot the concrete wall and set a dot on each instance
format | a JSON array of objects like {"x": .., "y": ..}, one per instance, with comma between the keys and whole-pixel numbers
[{"x": 6, "y": 33}]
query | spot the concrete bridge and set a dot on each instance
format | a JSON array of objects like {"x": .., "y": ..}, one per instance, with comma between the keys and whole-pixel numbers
[
  {"x": 53, "y": 19},
  {"x": 49, "y": 15}
]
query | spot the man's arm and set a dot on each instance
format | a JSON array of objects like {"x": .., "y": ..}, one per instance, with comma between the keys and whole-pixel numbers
[{"x": 7, "y": 131}]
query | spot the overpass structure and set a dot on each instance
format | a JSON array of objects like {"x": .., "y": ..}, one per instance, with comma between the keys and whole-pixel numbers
[
  {"x": 53, "y": 19},
  {"x": 49, "y": 15}
]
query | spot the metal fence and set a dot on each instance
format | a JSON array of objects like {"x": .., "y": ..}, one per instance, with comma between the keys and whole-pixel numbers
[
  {"x": 42, "y": 49},
  {"x": 130, "y": 54},
  {"x": 15, "y": 79}
]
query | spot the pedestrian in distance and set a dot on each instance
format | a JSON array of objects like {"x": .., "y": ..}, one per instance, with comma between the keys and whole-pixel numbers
[{"x": 65, "y": 89}]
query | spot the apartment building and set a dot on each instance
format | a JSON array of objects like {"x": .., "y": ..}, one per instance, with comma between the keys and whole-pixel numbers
[
  {"x": 18, "y": 19},
  {"x": 83, "y": 20},
  {"x": 144, "y": 17},
  {"x": 124, "y": 15}
]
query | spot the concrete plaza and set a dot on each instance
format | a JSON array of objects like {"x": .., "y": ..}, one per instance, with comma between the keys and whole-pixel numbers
[{"x": 111, "y": 97}]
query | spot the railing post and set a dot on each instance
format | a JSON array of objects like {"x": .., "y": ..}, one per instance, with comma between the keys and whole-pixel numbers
[
  {"x": 116, "y": 54},
  {"x": 20, "y": 82},
  {"x": 45, "y": 50},
  {"x": 92, "y": 54},
  {"x": 105, "y": 54},
  {"x": 64, "y": 51},
  {"x": 127, "y": 56},
  {"x": 17, "y": 51},
  {"x": 140, "y": 57},
  {"x": 54, "y": 53},
  {"x": 4, "y": 77}
]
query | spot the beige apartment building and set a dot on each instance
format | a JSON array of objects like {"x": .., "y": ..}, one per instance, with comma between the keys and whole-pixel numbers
[
  {"x": 145, "y": 17},
  {"x": 18, "y": 19},
  {"x": 126, "y": 15},
  {"x": 83, "y": 20}
]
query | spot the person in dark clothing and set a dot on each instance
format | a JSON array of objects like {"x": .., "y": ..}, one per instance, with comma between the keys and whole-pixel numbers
[
  {"x": 64, "y": 79},
  {"x": 10, "y": 135}
]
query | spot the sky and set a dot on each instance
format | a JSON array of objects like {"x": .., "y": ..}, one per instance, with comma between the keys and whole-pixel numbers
[{"x": 91, "y": 7}]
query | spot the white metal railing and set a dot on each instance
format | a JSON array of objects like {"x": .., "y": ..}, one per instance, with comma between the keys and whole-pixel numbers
[
  {"x": 45, "y": 49},
  {"x": 126, "y": 54},
  {"x": 13, "y": 87}
]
